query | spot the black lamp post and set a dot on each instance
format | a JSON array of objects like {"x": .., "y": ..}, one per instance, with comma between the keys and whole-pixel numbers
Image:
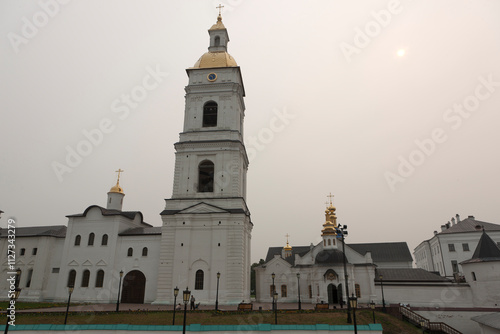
[
  {"x": 119, "y": 289},
  {"x": 275, "y": 300},
  {"x": 274, "y": 289},
  {"x": 353, "y": 301},
  {"x": 185, "y": 297},
  {"x": 217, "y": 294},
  {"x": 382, "y": 287},
  {"x": 13, "y": 297},
  {"x": 70, "y": 290},
  {"x": 372, "y": 306},
  {"x": 298, "y": 286},
  {"x": 176, "y": 292},
  {"x": 341, "y": 233}
]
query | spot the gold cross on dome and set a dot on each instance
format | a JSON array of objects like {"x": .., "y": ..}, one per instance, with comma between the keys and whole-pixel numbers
[
  {"x": 119, "y": 171},
  {"x": 220, "y": 7},
  {"x": 331, "y": 196},
  {"x": 287, "y": 236}
]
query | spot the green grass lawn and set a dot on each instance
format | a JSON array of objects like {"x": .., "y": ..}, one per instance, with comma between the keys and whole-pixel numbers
[{"x": 390, "y": 324}]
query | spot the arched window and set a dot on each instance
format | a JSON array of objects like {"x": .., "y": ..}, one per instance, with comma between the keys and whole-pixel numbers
[
  {"x": 85, "y": 278},
  {"x": 104, "y": 241},
  {"x": 99, "y": 280},
  {"x": 358, "y": 290},
  {"x": 283, "y": 291},
  {"x": 71, "y": 278},
  {"x": 217, "y": 41},
  {"x": 210, "y": 114},
  {"x": 130, "y": 251},
  {"x": 206, "y": 177},
  {"x": 329, "y": 242},
  {"x": 91, "y": 239},
  {"x": 78, "y": 239},
  {"x": 198, "y": 282},
  {"x": 145, "y": 251}
]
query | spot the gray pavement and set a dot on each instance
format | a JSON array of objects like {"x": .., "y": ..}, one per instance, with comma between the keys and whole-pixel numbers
[{"x": 161, "y": 307}]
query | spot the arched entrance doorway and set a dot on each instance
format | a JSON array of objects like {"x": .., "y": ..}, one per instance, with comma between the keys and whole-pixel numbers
[
  {"x": 134, "y": 286},
  {"x": 332, "y": 294}
]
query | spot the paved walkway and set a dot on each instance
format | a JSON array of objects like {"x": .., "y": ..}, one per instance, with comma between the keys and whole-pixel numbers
[{"x": 158, "y": 307}]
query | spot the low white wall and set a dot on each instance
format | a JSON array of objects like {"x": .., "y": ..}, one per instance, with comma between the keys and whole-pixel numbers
[{"x": 452, "y": 295}]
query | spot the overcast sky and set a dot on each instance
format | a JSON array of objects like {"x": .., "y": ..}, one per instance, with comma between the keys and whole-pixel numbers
[{"x": 392, "y": 106}]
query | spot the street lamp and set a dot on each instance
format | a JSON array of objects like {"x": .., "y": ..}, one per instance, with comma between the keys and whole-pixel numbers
[
  {"x": 176, "y": 292},
  {"x": 13, "y": 298},
  {"x": 353, "y": 302},
  {"x": 274, "y": 289},
  {"x": 341, "y": 233},
  {"x": 217, "y": 295},
  {"x": 185, "y": 297},
  {"x": 298, "y": 286},
  {"x": 119, "y": 289},
  {"x": 382, "y": 287},
  {"x": 372, "y": 306},
  {"x": 275, "y": 300},
  {"x": 70, "y": 290}
]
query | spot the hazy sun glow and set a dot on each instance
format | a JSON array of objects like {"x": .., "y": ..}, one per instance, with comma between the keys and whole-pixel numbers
[{"x": 401, "y": 52}]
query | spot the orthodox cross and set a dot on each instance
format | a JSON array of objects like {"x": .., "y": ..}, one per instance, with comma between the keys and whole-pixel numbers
[
  {"x": 331, "y": 196},
  {"x": 220, "y": 7},
  {"x": 119, "y": 171}
]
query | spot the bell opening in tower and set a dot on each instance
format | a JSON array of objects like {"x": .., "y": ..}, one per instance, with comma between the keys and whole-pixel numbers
[{"x": 210, "y": 114}]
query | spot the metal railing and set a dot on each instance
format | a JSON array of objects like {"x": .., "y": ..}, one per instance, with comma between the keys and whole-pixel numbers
[{"x": 417, "y": 319}]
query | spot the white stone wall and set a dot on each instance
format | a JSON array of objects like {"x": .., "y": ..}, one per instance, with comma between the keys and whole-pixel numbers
[
  {"x": 486, "y": 287},
  {"x": 450, "y": 295}
]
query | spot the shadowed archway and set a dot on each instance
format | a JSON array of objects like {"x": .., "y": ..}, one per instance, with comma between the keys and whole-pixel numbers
[{"x": 134, "y": 287}]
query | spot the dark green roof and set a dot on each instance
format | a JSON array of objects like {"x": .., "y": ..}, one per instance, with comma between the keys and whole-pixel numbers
[
  {"x": 57, "y": 231},
  {"x": 408, "y": 275},
  {"x": 486, "y": 250},
  {"x": 385, "y": 251}
]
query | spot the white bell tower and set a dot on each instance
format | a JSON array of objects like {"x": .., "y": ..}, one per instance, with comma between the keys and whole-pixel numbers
[{"x": 206, "y": 224}]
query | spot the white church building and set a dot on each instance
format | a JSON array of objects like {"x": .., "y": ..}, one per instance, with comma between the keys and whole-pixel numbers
[{"x": 206, "y": 227}]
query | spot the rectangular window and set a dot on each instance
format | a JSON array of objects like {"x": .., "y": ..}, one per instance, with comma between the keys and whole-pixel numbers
[
  {"x": 283, "y": 291},
  {"x": 310, "y": 291},
  {"x": 23, "y": 250},
  {"x": 28, "y": 279},
  {"x": 473, "y": 276},
  {"x": 271, "y": 291},
  {"x": 358, "y": 290},
  {"x": 451, "y": 247},
  {"x": 55, "y": 270},
  {"x": 454, "y": 265},
  {"x": 465, "y": 247},
  {"x": 34, "y": 251}
]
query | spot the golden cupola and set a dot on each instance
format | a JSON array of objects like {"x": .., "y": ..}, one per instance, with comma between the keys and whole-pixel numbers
[
  {"x": 217, "y": 55},
  {"x": 287, "y": 250},
  {"x": 115, "y": 195}
]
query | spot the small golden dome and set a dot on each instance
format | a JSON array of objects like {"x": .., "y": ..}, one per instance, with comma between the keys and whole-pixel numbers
[
  {"x": 117, "y": 189},
  {"x": 219, "y": 25},
  {"x": 287, "y": 247},
  {"x": 215, "y": 59}
]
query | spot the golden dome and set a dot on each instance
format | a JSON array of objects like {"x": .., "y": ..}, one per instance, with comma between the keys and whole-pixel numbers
[
  {"x": 287, "y": 247},
  {"x": 117, "y": 189},
  {"x": 219, "y": 25},
  {"x": 328, "y": 228},
  {"x": 215, "y": 59}
]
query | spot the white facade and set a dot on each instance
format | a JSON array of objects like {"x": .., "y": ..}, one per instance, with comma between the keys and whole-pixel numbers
[
  {"x": 454, "y": 244},
  {"x": 206, "y": 226}
]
